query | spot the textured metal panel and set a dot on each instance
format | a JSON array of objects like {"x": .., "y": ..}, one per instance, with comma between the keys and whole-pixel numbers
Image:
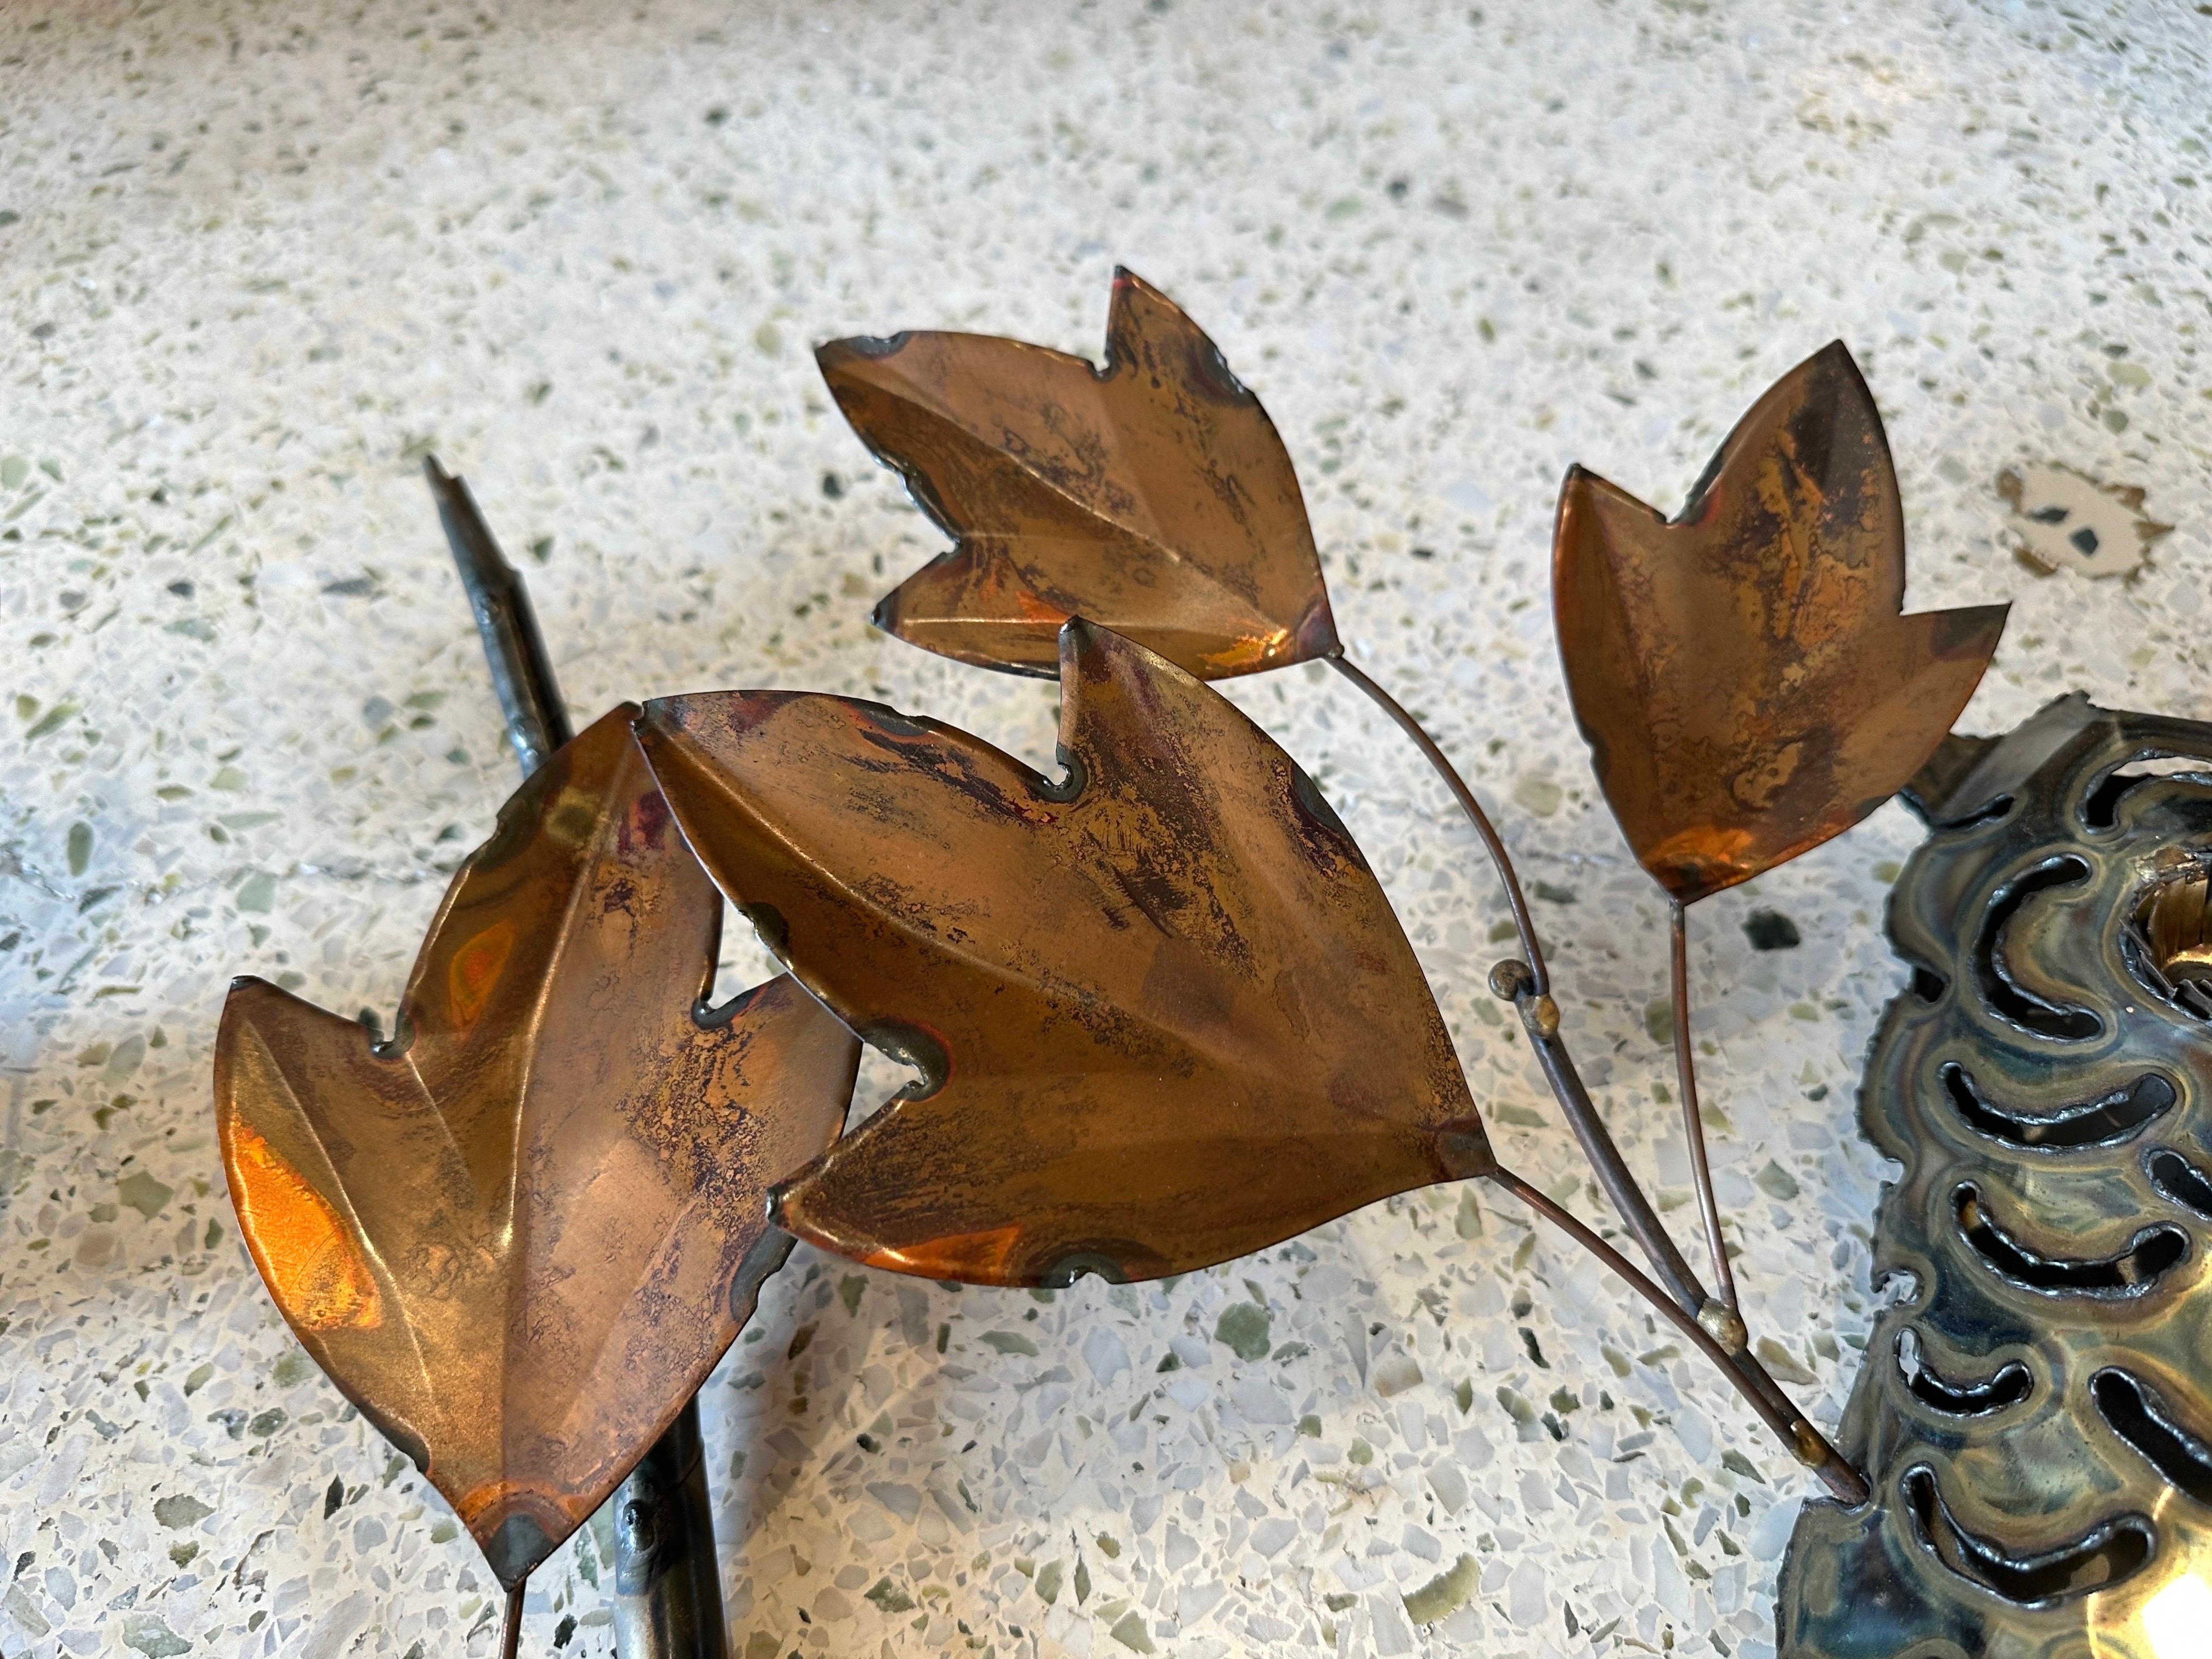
[{"x": 2033, "y": 1415}]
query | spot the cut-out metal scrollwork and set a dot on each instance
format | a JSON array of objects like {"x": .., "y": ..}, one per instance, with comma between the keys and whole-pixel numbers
[{"x": 2037, "y": 1433}]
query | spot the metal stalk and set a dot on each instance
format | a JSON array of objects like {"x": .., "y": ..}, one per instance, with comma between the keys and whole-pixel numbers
[
  {"x": 668, "y": 1587},
  {"x": 1693, "y": 1127},
  {"x": 1811, "y": 1446},
  {"x": 537, "y": 719},
  {"x": 1527, "y": 985}
]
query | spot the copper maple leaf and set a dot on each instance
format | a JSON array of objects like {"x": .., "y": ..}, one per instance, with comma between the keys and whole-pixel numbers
[
  {"x": 519, "y": 1235},
  {"x": 1153, "y": 497},
  {"x": 1742, "y": 674},
  {"x": 1163, "y": 1013}
]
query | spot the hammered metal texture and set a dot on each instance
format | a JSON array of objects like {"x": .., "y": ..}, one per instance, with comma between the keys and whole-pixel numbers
[
  {"x": 520, "y": 1235},
  {"x": 2033, "y": 1414},
  {"x": 1164, "y": 1014},
  {"x": 1152, "y": 497},
  {"x": 1741, "y": 671}
]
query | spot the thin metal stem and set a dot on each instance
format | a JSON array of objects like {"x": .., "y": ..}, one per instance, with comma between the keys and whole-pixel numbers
[
  {"x": 1528, "y": 986},
  {"x": 510, "y": 1637},
  {"x": 1531, "y": 991},
  {"x": 663, "y": 1503},
  {"x": 1693, "y": 1128},
  {"x": 1531, "y": 950},
  {"x": 1807, "y": 1444},
  {"x": 1540, "y": 1018}
]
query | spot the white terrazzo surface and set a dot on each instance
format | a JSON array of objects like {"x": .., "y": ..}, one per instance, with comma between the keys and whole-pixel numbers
[{"x": 254, "y": 257}]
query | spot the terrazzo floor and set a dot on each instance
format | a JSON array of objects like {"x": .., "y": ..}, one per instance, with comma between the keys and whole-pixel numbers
[{"x": 255, "y": 259}]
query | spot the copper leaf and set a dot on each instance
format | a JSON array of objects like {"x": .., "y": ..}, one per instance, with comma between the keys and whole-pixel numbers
[
  {"x": 519, "y": 1236},
  {"x": 1164, "y": 1014},
  {"x": 1741, "y": 672},
  {"x": 1153, "y": 497}
]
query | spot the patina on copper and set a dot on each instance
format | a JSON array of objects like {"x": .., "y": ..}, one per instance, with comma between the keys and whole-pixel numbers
[
  {"x": 1742, "y": 674},
  {"x": 2033, "y": 1409},
  {"x": 1152, "y": 497},
  {"x": 1163, "y": 1014},
  {"x": 520, "y": 1234}
]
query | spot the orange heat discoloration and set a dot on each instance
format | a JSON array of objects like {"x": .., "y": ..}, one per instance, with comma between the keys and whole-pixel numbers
[
  {"x": 1030, "y": 608},
  {"x": 306, "y": 1253},
  {"x": 970, "y": 1258},
  {"x": 474, "y": 972},
  {"x": 1249, "y": 651}
]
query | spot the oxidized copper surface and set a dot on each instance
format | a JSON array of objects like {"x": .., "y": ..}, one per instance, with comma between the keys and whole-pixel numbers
[
  {"x": 1163, "y": 1013},
  {"x": 1153, "y": 497},
  {"x": 1746, "y": 685},
  {"x": 2032, "y": 1411},
  {"x": 519, "y": 1235}
]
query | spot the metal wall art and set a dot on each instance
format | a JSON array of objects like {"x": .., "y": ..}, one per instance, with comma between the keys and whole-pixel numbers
[
  {"x": 1163, "y": 1015},
  {"x": 1788, "y": 569}
]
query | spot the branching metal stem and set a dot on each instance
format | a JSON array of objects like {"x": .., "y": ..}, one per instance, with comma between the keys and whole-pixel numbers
[
  {"x": 1720, "y": 1332},
  {"x": 1808, "y": 1442},
  {"x": 1532, "y": 952}
]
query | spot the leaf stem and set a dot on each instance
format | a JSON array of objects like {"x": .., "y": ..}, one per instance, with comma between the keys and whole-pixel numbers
[
  {"x": 1807, "y": 1444},
  {"x": 510, "y": 1637},
  {"x": 1531, "y": 950},
  {"x": 1526, "y": 985},
  {"x": 1693, "y": 1128}
]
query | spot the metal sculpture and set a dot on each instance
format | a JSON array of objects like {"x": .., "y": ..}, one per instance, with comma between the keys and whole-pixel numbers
[
  {"x": 1007, "y": 446},
  {"x": 1164, "y": 1015}
]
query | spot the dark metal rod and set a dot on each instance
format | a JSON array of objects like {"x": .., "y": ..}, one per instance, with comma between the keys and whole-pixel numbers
[
  {"x": 1532, "y": 952},
  {"x": 1693, "y": 1127},
  {"x": 510, "y": 1636},
  {"x": 664, "y": 1526},
  {"x": 537, "y": 720},
  {"x": 668, "y": 1585},
  {"x": 1807, "y": 1443}
]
